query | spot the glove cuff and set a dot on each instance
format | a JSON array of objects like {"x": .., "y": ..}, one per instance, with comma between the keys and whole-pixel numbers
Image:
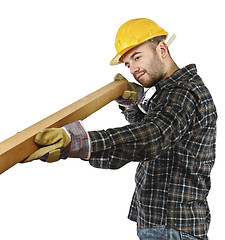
[{"x": 80, "y": 141}]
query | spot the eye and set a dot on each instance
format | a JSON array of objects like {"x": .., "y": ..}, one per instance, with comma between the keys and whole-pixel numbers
[
  {"x": 137, "y": 58},
  {"x": 127, "y": 65}
]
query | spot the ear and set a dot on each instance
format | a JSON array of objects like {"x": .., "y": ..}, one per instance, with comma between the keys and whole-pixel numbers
[{"x": 162, "y": 50}]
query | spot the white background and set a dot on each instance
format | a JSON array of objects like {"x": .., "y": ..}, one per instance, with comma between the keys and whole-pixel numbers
[{"x": 53, "y": 53}]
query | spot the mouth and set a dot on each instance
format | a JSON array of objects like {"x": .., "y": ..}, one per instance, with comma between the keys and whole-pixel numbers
[{"x": 140, "y": 75}]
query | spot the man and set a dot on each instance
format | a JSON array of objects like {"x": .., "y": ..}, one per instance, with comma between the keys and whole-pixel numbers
[{"x": 171, "y": 135}]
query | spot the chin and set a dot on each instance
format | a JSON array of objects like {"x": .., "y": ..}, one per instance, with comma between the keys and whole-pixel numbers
[
  {"x": 147, "y": 84},
  {"x": 151, "y": 83}
]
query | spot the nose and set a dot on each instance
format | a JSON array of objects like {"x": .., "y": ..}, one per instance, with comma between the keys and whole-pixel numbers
[{"x": 133, "y": 69}]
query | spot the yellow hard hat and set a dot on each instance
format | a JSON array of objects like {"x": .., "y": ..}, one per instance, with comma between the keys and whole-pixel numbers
[{"x": 133, "y": 33}]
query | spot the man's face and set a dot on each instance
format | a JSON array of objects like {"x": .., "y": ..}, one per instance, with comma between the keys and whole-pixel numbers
[{"x": 145, "y": 64}]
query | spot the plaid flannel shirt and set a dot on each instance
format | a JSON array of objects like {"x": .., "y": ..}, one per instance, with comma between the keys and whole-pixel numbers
[{"x": 174, "y": 143}]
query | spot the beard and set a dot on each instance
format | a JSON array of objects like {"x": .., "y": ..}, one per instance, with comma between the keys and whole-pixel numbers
[{"x": 154, "y": 72}]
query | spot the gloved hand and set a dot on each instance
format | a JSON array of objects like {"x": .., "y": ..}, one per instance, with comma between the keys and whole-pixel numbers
[
  {"x": 134, "y": 92},
  {"x": 60, "y": 143}
]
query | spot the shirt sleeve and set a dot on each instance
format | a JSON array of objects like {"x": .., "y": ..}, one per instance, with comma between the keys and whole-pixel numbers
[
  {"x": 134, "y": 114},
  {"x": 161, "y": 128}
]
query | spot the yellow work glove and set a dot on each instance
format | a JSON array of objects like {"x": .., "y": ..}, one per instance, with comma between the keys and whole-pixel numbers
[
  {"x": 131, "y": 95},
  {"x": 60, "y": 143},
  {"x": 51, "y": 141}
]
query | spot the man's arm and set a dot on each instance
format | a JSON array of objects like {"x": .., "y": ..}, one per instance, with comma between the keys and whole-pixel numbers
[
  {"x": 160, "y": 129},
  {"x": 134, "y": 114}
]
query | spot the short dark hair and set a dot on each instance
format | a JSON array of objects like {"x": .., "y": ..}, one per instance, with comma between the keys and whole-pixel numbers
[{"x": 156, "y": 40}]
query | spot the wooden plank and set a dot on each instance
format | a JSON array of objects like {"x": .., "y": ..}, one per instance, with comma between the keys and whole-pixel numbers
[{"x": 18, "y": 147}]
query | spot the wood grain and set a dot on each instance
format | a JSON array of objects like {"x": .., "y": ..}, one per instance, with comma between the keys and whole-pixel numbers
[{"x": 18, "y": 147}]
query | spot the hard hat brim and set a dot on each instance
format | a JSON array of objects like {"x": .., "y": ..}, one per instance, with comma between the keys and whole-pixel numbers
[{"x": 116, "y": 59}]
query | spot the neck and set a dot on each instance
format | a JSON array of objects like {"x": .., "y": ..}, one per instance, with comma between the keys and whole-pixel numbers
[{"x": 171, "y": 68}]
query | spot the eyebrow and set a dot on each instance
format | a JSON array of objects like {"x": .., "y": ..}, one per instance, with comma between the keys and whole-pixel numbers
[{"x": 133, "y": 55}]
